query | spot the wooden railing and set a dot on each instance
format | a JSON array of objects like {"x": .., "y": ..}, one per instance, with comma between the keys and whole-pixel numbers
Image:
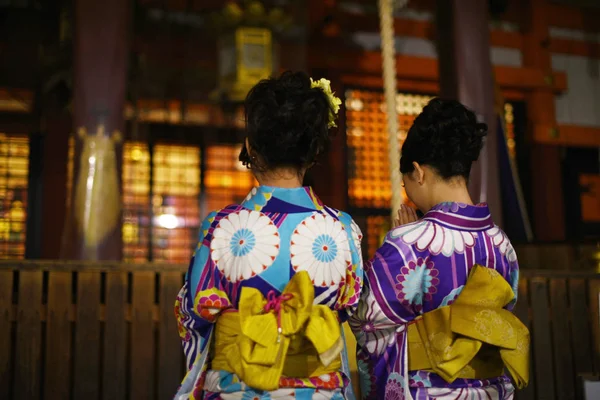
[
  {"x": 561, "y": 310},
  {"x": 89, "y": 331},
  {"x": 72, "y": 330}
]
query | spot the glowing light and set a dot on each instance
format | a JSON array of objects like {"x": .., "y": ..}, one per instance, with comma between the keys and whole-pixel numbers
[{"x": 167, "y": 221}]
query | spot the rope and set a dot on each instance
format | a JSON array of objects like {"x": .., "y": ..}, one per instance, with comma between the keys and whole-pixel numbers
[{"x": 389, "y": 84}]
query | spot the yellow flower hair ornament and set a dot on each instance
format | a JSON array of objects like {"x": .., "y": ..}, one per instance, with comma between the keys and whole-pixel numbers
[{"x": 334, "y": 101}]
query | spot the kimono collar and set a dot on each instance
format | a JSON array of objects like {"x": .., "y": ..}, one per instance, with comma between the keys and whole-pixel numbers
[
  {"x": 282, "y": 200},
  {"x": 461, "y": 216}
]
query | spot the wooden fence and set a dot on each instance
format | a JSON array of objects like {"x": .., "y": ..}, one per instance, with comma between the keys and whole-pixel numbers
[
  {"x": 561, "y": 310},
  {"x": 107, "y": 331},
  {"x": 89, "y": 331}
]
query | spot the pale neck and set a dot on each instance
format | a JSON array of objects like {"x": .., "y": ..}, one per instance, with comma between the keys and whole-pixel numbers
[
  {"x": 450, "y": 194},
  {"x": 282, "y": 178}
]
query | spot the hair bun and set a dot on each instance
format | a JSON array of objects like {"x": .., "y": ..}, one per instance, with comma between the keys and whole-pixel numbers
[
  {"x": 445, "y": 135},
  {"x": 286, "y": 121}
]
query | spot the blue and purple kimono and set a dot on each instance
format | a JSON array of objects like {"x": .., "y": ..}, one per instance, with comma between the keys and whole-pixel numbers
[
  {"x": 421, "y": 267},
  {"x": 275, "y": 235}
]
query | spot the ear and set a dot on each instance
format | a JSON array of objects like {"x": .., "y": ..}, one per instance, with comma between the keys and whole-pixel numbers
[{"x": 419, "y": 173}]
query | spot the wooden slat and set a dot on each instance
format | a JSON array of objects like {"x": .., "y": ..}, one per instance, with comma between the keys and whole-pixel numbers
[
  {"x": 87, "y": 337},
  {"x": 522, "y": 312},
  {"x": 541, "y": 340},
  {"x": 529, "y": 256},
  {"x": 561, "y": 335},
  {"x": 6, "y": 292},
  {"x": 557, "y": 256},
  {"x": 29, "y": 337},
  {"x": 170, "y": 357},
  {"x": 115, "y": 338},
  {"x": 58, "y": 337},
  {"x": 142, "y": 336},
  {"x": 581, "y": 342},
  {"x": 594, "y": 293}
]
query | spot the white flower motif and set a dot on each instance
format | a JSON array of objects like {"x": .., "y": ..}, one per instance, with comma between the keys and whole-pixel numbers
[
  {"x": 373, "y": 330},
  {"x": 244, "y": 244},
  {"x": 500, "y": 240},
  {"x": 427, "y": 235},
  {"x": 319, "y": 245}
]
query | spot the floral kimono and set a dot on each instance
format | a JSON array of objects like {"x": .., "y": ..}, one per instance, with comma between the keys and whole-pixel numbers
[
  {"x": 434, "y": 319},
  {"x": 268, "y": 287}
]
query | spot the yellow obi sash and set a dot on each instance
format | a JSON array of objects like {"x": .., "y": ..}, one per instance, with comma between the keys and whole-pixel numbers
[
  {"x": 281, "y": 335},
  {"x": 475, "y": 337}
]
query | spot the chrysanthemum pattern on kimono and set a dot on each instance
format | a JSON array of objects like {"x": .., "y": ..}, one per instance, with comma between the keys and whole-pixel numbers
[
  {"x": 263, "y": 243},
  {"x": 419, "y": 268}
]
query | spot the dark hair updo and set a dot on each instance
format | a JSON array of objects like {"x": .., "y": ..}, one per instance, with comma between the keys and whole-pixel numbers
[
  {"x": 286, "y": 123},
  {"x": 445, "y": 136}
]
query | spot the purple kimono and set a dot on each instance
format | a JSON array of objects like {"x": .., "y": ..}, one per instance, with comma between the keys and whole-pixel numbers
[{"x": 420, "y": 267}]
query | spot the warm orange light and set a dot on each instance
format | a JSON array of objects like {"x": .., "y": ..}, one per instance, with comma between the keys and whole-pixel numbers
[{"x": 369, "y": 185}]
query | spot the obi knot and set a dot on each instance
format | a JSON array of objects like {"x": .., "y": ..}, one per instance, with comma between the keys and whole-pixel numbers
[{"x": 274, "y": 303}]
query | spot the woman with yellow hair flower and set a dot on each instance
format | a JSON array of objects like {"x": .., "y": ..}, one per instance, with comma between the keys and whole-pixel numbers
[{"x": 274, "y": 277}]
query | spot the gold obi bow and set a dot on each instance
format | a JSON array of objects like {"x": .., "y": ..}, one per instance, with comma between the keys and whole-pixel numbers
[
  {"x": 475, "y": 337},
  {"x": 281, "y": 335}
]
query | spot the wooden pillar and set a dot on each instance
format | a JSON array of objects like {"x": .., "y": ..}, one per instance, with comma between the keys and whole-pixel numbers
[
  {"x": 54, "y": 177},
  {"x": 547, "y": 194},
  {"x": 466, "y": 75},
  {"x": 101, "y": 50},
  {"x": 330, "y": 177}
]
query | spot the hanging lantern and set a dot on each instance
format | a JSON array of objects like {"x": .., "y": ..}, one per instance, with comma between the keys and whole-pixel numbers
[
  {"x": 245, "y": 57},
  {"x": 246, "y": 47}
]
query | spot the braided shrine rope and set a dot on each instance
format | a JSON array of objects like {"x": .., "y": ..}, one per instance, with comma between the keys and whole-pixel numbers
[{"x": 386, "y": 9}]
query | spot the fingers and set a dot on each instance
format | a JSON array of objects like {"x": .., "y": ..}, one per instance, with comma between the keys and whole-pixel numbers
[
  {"x": 413, "y": 214},
  {"x": 406, "y": 215},
  {"x": 396, "y": 221}
]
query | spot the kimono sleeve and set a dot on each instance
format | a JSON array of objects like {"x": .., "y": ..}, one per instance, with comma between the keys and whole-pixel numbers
[
  {"x": 513, "y": 265},
  {"x": 349, "y": 293},
  {"x": 381, "y": 319},
  {"x": 198, "y": 305},
  {"x": 380, "y": 310}
]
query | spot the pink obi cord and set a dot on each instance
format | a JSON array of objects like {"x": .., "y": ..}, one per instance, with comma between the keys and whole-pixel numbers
[{"x": 274, "y": 303}]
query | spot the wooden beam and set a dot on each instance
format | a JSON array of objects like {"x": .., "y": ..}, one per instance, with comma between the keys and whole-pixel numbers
[
  {"x": 426, "y": 69},
  {"x": 567, "y": 135},
  {"x": 559, "y": 15},
  {"x": 576, "y": 18},
  {"x": 352, "y": 22},
  {"x": 412, "y": 86},
  {"x": 582, "y": 48},
  {"x": 18, "y": 123}
]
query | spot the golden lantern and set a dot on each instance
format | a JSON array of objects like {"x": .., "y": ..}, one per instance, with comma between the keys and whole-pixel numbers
[
  {"x": 245, "y": 47},
  {"x": 245, "y": 57}
]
